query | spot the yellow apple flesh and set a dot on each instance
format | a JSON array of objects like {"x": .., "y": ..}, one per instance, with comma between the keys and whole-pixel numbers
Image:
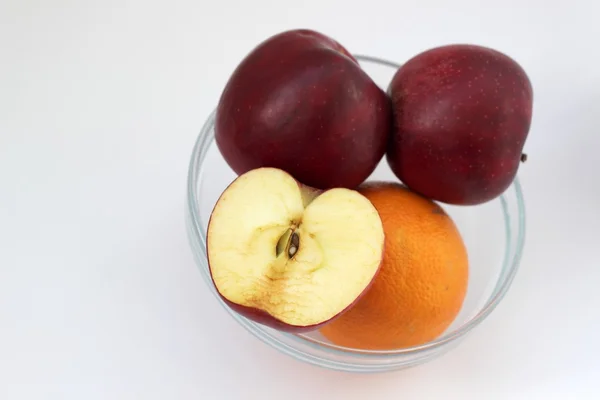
[{"x": 289, "y": 256}]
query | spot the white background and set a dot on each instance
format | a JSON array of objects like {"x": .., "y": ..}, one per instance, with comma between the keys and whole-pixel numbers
[{"x": 100, "y": 104}]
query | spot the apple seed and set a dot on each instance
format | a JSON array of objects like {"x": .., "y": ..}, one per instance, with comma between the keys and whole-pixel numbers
[{"x": 294, "y": 244}]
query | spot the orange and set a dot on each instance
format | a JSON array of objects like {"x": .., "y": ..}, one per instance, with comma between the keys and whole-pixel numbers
[{"x": 422, "y": 281}]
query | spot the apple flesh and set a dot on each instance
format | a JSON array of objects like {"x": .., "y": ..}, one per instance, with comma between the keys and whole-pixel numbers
[
  {"x": 300, "y": 102},
  {"x": 288, "y": 256},
  {"x": 461, "y": 117}
]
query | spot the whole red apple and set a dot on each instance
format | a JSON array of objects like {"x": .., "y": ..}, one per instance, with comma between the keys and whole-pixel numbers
[
  {"x": 300, "y": 102},
  {"x": 461, "y": 117}
]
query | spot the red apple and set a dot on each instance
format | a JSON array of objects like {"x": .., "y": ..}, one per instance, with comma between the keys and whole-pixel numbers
[
  {"x": 289, "y": 256},
  {"x": 461, "y": 117},
  {"x": 300, "y": 102}
]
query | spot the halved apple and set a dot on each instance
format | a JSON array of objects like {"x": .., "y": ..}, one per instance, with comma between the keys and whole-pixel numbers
[{"x": 289, "y": 256}]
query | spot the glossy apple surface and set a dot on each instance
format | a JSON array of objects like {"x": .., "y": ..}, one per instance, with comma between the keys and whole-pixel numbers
[
  {"x": 462, "y": 114},
  {"x": 300, "y": 102}
]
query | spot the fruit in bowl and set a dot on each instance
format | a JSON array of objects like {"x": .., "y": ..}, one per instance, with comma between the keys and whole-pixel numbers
[
  {"x": 300, "y": 102},
  {"x": 299, "y": 243},
  {"x": 461, "y": 117},
  {"x": 422, "y": 282},
  {"x": 289, "y": 256}
]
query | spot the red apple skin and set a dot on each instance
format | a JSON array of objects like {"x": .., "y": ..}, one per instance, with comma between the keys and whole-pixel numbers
[
  {"x": 462, "y": 114},
  {"x": 300, "y": 102},
  {"x": 264, "y": 318}
]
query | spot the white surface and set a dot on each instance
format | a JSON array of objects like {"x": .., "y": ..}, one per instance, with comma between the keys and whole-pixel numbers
[{"x": 100, "y": 104}]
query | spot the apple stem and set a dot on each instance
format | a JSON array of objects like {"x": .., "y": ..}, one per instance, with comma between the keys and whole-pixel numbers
[{"x": 523, "y": 157}]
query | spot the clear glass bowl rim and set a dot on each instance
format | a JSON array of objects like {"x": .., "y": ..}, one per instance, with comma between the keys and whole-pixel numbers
[{"x": 509, "y": 267}]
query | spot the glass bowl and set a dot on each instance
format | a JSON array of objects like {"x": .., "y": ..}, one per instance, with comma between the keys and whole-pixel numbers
[{"x": 493, "y": 232}]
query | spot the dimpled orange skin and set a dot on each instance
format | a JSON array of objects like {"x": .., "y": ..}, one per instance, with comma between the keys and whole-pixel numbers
[{"x": 422, "y": 282}]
